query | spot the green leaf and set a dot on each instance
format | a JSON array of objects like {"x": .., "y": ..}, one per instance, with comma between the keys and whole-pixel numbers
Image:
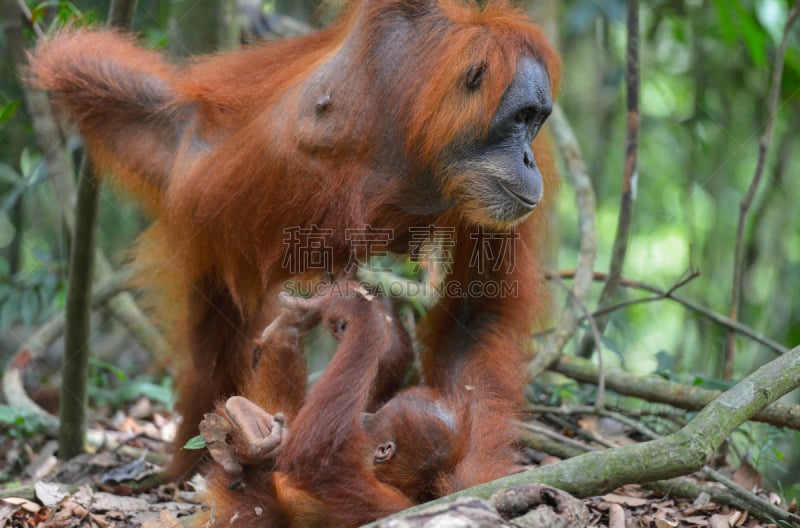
[
  {"x": 27, "y": 162},
  {"x": 725, "y": 20},
  {"x": 48, "y": 291},
  {"x": 104, "y": 366},
  {"x": 161, "y": 393},
  {"x": 7, "y": 111},
  {"x": 196, "y": 442},
  {"x": 613, "y": 347},
  {"x": 24, "y": 423},
  {"x": 737, "y": 24},
  {"x": 67, "y": 11},
  {"x": 41, "y": 255},
  {"x": 33, "y": 174}
]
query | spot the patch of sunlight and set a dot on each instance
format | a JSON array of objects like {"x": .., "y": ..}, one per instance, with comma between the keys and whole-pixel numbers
[
  {"x": 772, "y": 15},
  {"x": 660, "y": 255},
  {"x": 667, "y": 96}
]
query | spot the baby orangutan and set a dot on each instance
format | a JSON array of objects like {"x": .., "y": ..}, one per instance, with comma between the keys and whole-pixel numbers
[{"x": 358, "y": 449}]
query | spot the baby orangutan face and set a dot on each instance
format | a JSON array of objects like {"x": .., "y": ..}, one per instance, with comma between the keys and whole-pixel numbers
[{"x": 413, "y": 439}]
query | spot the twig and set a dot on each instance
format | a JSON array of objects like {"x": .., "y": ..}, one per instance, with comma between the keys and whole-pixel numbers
[
  {"x": 673, "y": 416},
  {"x": 616, "y": 307},
  {"x": 595, "y": 332},
  {"x": 690, "y": 305},
  {"x": 684, "y": 487},
  {"x": 744, "y": 205},
  {"x": 657, "y": 297},
  {"x": 586, "y": 409},
  {"x": 630, "y": 175},
  {"x": 561, "y": 439},
  {"x": 29, "y": 17},
  {"x": 584, "y": 196},
  {"x": 750, "y": 499}
]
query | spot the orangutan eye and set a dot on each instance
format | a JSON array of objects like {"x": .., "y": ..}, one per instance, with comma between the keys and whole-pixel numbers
[{"x": 475, "y": 75}]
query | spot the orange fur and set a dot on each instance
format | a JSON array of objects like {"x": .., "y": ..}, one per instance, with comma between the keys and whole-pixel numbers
[{"x": 355, "y": 125}]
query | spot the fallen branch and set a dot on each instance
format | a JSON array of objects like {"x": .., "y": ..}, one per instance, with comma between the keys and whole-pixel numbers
[
  {"x": 659, "y": 390},
  {"x": 544, "y": 439}
]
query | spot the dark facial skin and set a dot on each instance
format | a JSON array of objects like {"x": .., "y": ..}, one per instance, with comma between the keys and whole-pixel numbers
[
  {"x": 523, "y": 109},
  {"x": 505, "y": 184}
]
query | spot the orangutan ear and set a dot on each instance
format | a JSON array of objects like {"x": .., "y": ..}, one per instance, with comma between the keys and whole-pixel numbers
[{"x": 385, "y": 451}]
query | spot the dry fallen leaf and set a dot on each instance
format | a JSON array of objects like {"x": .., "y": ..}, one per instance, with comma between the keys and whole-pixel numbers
[
  {"x": 22, "y": 504},
  {"x": 747, "y": 477},
  {"x": 625, "y": 500},
  {"x": 719, "y": 520},
  {"x": 665, "y": 523},
  {"x": 6, "y": 511},
  {"x": 165, "y": 520},
  {"x": 616, "y": 516}
]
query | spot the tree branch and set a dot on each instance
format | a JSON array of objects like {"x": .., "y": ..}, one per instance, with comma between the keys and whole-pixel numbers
[
  {"x": 744, "y": 205},
  {"x": 630, "y": 176},
  {"x": 584, "y": 195}
]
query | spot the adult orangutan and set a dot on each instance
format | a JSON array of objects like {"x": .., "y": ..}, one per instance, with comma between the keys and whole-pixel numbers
[{"x": 402, "y": 116}]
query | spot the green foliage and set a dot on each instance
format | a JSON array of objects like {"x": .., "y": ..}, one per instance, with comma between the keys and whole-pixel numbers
[
  {"x": 737, "y": 24},
  {"x": 196, "y": 442},
  {"x": 8, "y": 111},
  {"x": 110, "y": 386},
  {"x": 762, "y": 446},
  {"x": 713, "y": 384},
  {"x": 29, "y": 297},
  {"x": 33, "y": 175},
  {"x": 19, "y": 424},
  {"x": 162, "y": 392}
]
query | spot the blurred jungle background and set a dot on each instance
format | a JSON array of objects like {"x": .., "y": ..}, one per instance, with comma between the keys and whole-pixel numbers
[{"x": 706, "y": 70}]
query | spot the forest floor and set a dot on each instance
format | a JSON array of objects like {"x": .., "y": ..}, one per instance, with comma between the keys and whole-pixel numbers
[{"x": 117, "y": 484}]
